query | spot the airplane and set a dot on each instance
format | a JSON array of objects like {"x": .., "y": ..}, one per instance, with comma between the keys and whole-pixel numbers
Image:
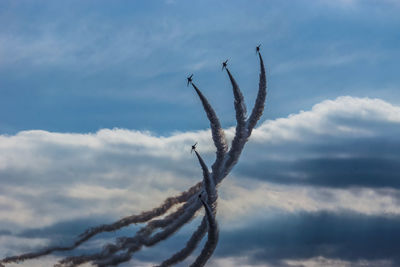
[
  {"x": 189, "y": 79},
  {"x": 258, "y": 49},
  {"x": 193, "y": 148},
  {"x": 224, "y": 64}
]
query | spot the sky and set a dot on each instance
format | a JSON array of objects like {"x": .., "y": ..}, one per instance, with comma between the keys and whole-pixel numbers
[{"x": 96, "y": 123}]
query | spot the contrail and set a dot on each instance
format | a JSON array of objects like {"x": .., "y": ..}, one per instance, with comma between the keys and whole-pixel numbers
[
  {"x": 170, "y": 224},
  {"x": 196, "y": 237},
  {"x": 239, "y": 140},
  {"x": 190, "y": 245},
  {"x": 212, "y": 239},
  {"x": 240, "y": 106},
  {"x": 208, "y": 182},
  {"x": 144, "y": 216},
  {"x": 241, "y": 131},
  {"x": 123, "y": 249},
  {"x": 260, "y": 100},
  {"x": 89, "y": 233},
  {"x": 210, "y": 209},
  {"x": 217, "y": 132}
]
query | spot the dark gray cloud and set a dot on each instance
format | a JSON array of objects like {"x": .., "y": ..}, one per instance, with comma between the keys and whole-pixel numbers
[
  {"x": 5, "y": 232},
  {"x": 350, "y": 237},
  {"x": 329, "y": 148},
  {"x": 358, "y": 169},
  {"x": 345, "y": 236},
  {"x": 284, "y": 200}
]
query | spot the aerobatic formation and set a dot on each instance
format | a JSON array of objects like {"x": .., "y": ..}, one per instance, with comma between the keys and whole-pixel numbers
[{"x": 203, "y": 194}]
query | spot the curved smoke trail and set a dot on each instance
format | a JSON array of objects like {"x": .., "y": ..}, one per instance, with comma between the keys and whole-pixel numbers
[
  {"x": 217, "y": 132},
  {"x": 260, "y": 100},
  {"x": 212, "y": 239},
  {"x": 124, "y": 248}
]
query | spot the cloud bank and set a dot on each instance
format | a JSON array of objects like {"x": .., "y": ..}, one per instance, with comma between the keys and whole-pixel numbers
[{"x": 333, "y": 167}]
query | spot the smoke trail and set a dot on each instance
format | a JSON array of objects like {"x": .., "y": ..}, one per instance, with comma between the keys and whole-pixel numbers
[
  {"x": 161, "y": 223},
  {"x": 212, "y": 239},
  {"x": 241, "y": 132},
  {"x": 124, "y": 248},
  {"x": 89, "y": 233},
  {"x": 218, "y": 134},
  {"x": 123, "y": 243},
  {"x": 238, "y": 143},
  {"x": 76, "y": 260},
  {"x": 145, "y": 216},
  {"x": 216, "y": 129},
  {"x": 208, "y": 183},
  {"x": 262, "y": 94},
  {"x": 170, "y": 229},
  {"x": 240, "y": 106},
  {"x": 107, "y": 256},
  {"x": 120, "y": 258},
  {"x": 190, "y": 245},
  {"x": 196, "y": 237},
  {"x": 175, "y": 225},
  {"x": 171, "y": 224}
]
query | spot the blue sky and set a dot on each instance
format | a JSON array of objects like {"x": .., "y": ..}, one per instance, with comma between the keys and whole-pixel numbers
[
  {"x": 96, "y": 123},
  {"x": 79, "y": 67}
]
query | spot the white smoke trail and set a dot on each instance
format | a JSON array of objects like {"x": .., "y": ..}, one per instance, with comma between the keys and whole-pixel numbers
[
  {"x": 89, "y": 233},
  {"x": 124, "y": 248},
  {"x": 240, "y": 106},
  {"x": 217, "y": 132},
  {"x": 189, "y": 213},
  {"x": 241, "y": 131},
  {"x": 196, "y": 237},
  {"x": 190, "y": 245},
  {"x": 240, "y": 140},
  {"x": 170, "y": 224},
  {"x": 208, "y": 182},
  {"x": 151, "y": 241},
  {"x": 212, "y": 239},
  {"x": 260, "y": 100}
]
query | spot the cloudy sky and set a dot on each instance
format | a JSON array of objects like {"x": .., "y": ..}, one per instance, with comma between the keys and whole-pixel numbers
[{"x": 96, "y": 123}]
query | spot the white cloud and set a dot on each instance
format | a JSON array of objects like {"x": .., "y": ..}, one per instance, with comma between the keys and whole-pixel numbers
[
  {"x": 45, "y": 261},
  {"x": 312, "y": 262},
  {"x": 321, "y": 261},
  {"x": 236, "y": 261},
  {"x": 328, "y": 118},
  {"x": 242, "y": 199},
  {"x": 53, "y": 177}
]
